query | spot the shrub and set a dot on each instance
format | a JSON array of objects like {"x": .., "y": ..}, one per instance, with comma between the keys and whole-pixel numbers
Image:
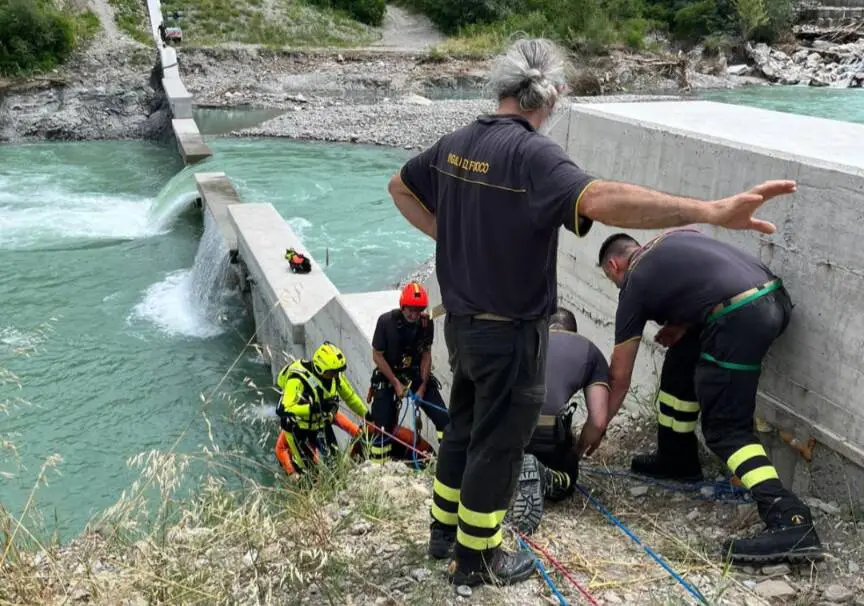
[
  {"x": 370, "y": 12},
  {"x": 695, "y": 21},
  {"x": 34, "y": 36}
]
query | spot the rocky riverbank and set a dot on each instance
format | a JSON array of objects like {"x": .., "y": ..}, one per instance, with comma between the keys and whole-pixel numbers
[
  {"x": 376, "y": 96},
  {"x": 819, "y": 63}
]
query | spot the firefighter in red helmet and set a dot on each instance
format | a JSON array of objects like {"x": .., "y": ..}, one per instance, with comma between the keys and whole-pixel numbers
[{"x": 402, "y": 352}]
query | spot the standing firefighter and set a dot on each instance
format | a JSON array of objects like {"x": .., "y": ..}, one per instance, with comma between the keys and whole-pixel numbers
[
  {"x": 311, "y": 390},
  {"x": 402, "y": 352},
  {"x": 493, "y": 195},
  {"x": 720, "y": 311}
]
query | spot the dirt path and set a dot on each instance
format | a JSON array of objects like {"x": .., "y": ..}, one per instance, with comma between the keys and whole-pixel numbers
[
  {"x": 106, "y": 15},
  {"x": 406, "y": 31}
]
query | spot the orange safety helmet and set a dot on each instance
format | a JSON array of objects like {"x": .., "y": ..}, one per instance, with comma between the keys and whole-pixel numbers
[{"x": 414, "y": 295}]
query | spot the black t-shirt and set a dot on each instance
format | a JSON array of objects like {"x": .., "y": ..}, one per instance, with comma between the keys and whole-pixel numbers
[
  {"x": 499, "y": 191},
  {"x": 573, "y": 363},
  {"x": 679, "y": 277},
  {"x": 402, "y": 342}
]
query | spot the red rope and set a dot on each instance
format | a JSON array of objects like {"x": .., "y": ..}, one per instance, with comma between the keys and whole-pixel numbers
[
  {"x": 560, "y": 568},
  {"x": 425, "y": 455}
]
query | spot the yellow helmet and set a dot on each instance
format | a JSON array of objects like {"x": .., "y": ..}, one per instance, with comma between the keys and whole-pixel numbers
[{"x": 328, "y": 357}]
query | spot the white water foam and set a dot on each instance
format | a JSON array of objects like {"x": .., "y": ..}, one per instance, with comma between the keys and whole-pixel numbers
[
  {"x": 190, "y": 302},
  {"x": 68, "y": 217},
  {"x": 170, "y": 306},
  {"x": 175, "y": 197}
]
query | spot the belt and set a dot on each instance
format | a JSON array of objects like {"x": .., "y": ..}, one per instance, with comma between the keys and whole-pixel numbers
[
  {"x": 547, "y": 421},
  {"x": 494, "y": 317},
  {"x": 742, "y": 299}
]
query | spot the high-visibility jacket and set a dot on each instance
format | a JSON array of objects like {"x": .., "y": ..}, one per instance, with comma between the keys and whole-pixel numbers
[{"x": 303, "y": 395}]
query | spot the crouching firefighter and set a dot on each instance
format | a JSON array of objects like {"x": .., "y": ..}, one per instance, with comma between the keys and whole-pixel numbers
[
  {"x": 720, "y": 310},
  {"x": 309, "y": 407},
  {"x": 550, "y": 466},
  {"x": 402, "y": 352}
]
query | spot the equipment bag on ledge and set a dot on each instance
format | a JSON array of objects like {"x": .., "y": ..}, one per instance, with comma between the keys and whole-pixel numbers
[{"x": 298, "y": 263}]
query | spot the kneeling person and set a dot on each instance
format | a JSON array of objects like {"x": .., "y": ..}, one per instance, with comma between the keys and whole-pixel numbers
[
  {"x": 550, "y": 467},
  {"x": 720, "y": 310},
  {"x": 309, "y": 407},
  {"x": 402, "y": 352}
]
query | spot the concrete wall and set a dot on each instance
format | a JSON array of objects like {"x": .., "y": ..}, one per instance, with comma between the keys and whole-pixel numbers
[
  {"x": 813, "y": 375},
  {"x": 294, "y": 313},
  {"x": 190, "y": 143}
]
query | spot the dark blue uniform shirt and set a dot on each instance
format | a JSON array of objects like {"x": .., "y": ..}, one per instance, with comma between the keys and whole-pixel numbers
[
  {"x": 499, "y": 192},
  {"x": 678, "y": 277}
]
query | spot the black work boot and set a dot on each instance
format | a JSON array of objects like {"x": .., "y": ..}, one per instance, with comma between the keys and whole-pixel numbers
[
  {"x": 653, "y": 466},
  {"x": 441, "y": 541},
  {"x": 789, "y": 536},
  {"x": 526, "y": 510},
  {"x": 501, "y": 568}
]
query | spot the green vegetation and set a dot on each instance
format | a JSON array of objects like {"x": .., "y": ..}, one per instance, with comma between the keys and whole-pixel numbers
[
  {"x": 482, "y": 26},
  {"x": 370, "y": 12},
  {"x": 131, "y": 17},
  {"x": 286, "y": 23},
  {"x": 36, "y": 36}
]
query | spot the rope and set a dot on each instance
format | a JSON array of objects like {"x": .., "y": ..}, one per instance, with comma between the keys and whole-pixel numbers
[
  {"x": 690, "y": 588},
  {"x": 418, "y": 400},
  {"x": 542, "y": 570},
  {"x": 723, "y": 492},
  {"x": 560, "y": 568}
]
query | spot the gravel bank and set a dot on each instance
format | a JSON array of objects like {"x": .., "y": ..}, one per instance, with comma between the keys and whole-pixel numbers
[{"x": 409, "y": 122}]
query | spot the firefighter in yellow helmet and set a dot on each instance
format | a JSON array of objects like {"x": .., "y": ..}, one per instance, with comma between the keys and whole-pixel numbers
[{"x": 309, "y": 407}]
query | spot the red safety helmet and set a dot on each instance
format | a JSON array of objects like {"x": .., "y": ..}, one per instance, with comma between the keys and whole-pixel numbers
[{"x": 414, "y": 295}]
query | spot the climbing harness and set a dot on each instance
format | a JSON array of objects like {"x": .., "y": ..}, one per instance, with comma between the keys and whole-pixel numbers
[
  {"x": 672, "y": 572},
  {"x": 721, "y": 492},
  {"x": 298, "y": 263}
]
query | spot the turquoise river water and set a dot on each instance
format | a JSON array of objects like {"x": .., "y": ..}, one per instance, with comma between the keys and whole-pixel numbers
[{"x": 105, "y": 350}]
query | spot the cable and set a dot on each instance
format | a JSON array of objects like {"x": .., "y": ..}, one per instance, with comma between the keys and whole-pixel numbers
[
  {"x": 542, "y": 570},
  {"x": 560, "y": 568},
  {"x": 675, "y": 575}
]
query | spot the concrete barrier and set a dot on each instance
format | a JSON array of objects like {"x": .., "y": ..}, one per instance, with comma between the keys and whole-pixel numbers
[
  {"x": 811, "y": 381},
  {"x": 190, "y": 143},
  {"x": 217, "y": 194},
  {"x": 349, "y": 321},
  {"x": 178, "y": 98},
  {"x": 282, "y": 302}
]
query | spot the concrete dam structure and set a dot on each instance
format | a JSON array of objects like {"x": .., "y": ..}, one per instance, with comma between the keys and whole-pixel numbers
[
  {"x": 810, "y": 389},
  {"x": 810, "y": 411}
]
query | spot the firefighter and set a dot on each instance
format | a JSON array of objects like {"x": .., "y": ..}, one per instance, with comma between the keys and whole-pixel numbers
[
  {"x": 309, "y": 407},
  {"x": 720, "y": 310},
  {"x": 550, "y": 467},
  {"x": 402, "y": 352},
  {"x": 494, "y": 195}
]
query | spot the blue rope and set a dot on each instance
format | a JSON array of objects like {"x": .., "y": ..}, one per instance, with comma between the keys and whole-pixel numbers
[
  {"x": 723, "y": 492},
  {"x": 690, "y": 588},
  {"x": 542, "y": 570},
  {"x": 419, "y": 400}
]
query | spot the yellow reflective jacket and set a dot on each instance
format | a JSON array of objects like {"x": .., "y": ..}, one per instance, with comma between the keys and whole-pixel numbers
[{"x": 303, "y": 393}]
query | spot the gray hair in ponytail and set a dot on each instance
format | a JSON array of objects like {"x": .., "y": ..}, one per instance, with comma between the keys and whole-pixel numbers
[{"x": 532, "y": 71}]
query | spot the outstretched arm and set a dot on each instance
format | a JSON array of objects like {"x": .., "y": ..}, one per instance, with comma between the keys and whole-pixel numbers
[{"x": 631, "y": 206}]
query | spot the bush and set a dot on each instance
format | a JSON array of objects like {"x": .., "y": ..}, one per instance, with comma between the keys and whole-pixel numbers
[
  {"x": 370, "y": 12},
  {"x": 695, "y": 21},
  {"x": 34, "y": 36}
]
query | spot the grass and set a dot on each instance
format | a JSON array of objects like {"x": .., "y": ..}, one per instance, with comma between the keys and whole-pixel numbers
[
  {"x": 271, "y": 23},
  {"x": 131, "y": 17}
]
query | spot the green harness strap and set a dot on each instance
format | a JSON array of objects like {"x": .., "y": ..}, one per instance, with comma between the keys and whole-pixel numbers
[
  {"x": 748, "y": 299},
  {"x": 731, "y": 365},
  {"x": 730, "y": 308}
]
